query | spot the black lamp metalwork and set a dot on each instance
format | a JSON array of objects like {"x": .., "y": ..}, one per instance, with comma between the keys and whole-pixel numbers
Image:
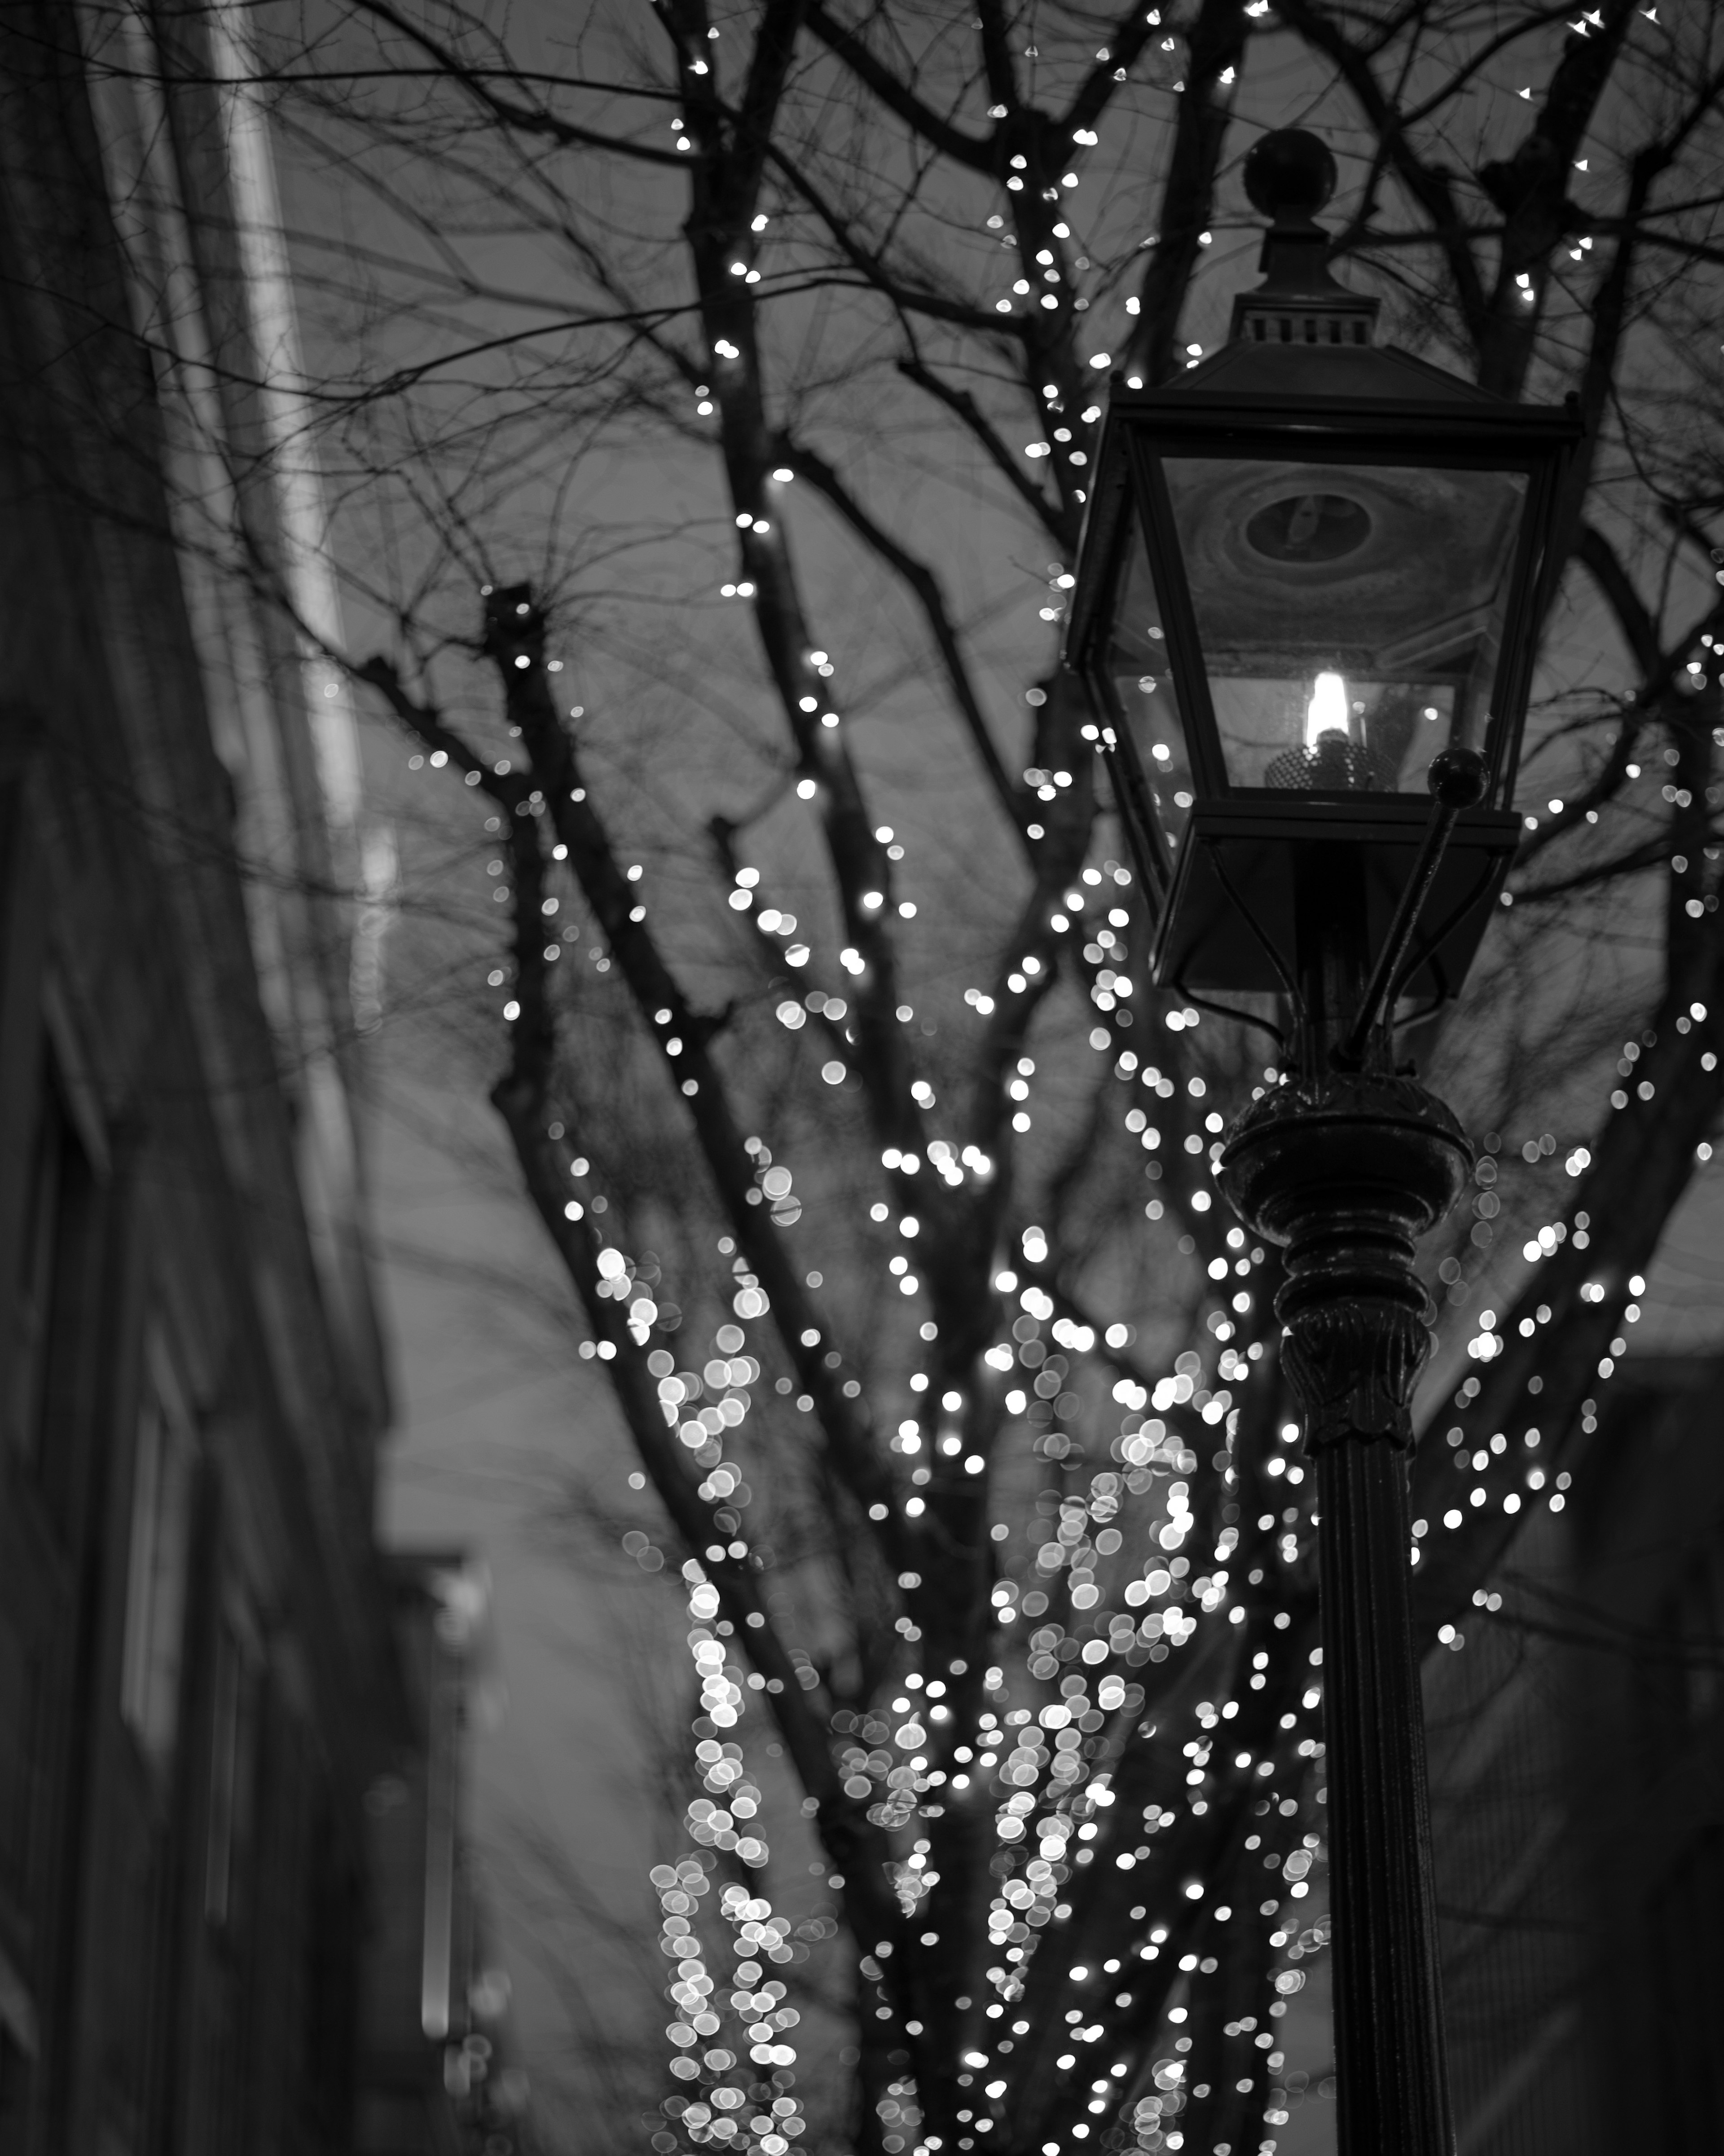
[
  {"x": 1312, "y": 565},
  {"x": 1305, "y": 607}
]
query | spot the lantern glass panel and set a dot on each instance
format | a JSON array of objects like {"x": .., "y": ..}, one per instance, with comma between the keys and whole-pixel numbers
[
  {"x": 1349, "y": 615},
  {"x": 1139, "y": 682}
]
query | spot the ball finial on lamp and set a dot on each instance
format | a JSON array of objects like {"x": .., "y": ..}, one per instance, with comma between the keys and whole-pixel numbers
[{"x": 1289, "y": 175}]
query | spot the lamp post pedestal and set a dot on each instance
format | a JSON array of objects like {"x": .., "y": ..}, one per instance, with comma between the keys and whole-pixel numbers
[{"x": 1346, "y": 1171}]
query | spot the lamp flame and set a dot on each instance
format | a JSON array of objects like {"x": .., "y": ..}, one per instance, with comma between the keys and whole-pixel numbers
[{"x": 1327, "y": 710}]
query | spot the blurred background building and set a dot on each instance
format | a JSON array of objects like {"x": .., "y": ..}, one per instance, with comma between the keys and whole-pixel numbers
[
  {"x": 1578, "y": 1798},
  {"x": 233, "y": 1913}
]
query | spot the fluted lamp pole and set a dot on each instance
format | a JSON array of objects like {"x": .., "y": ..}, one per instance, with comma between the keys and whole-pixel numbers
[{"x": 1305, "y": 608}]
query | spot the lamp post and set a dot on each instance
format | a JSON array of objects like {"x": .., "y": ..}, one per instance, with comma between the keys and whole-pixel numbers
[{"x": 1305, "y": 605}]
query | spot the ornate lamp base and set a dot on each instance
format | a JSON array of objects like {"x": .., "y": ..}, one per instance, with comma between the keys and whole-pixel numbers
[{"x": 1347, "y": 1172}]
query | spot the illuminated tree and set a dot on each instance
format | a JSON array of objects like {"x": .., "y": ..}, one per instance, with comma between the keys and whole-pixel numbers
[{"x": 890, "y": 1216}]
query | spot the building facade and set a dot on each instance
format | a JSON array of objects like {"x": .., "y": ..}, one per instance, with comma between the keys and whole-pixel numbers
[
  {"x": 1578, "y": 1799},
  {"x": 216, "y": 1917}
]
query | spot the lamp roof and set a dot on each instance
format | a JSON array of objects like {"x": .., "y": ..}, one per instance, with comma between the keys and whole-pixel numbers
[
  {"x": 1301, "y": 332},
  {"x": 1350, "y": 373}
]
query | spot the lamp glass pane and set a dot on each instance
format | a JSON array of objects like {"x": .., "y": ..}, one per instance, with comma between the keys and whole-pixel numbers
[
  {"x": 1141, "y": 679},
  {"x": 1350, "y": 615}
]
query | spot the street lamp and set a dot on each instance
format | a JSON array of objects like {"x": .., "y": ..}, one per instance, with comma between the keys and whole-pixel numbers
[{"x": 1305, "y": 607}]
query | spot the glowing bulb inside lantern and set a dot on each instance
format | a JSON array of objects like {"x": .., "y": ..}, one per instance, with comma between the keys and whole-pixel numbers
[{"x": 1327, "y": 712}]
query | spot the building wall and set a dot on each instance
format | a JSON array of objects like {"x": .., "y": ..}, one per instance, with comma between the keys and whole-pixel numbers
[
  {"x": 1578, "y": 1800},
  {"x": 202, "y": 1671}
]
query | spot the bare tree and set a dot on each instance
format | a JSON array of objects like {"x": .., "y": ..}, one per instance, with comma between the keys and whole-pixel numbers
[{"x": 891, "y": 1216}]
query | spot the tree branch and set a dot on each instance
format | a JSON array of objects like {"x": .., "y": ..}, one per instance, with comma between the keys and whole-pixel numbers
[
  {"x": 925, "y": 588},
  {"x": 959, "y": 402},
  {"x": 977, "y": 154}
]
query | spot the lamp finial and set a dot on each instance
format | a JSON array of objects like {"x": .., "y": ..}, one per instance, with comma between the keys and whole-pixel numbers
[{"x": 1289, "y": 175}]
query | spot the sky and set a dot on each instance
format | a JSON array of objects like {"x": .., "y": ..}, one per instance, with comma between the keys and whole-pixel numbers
[
  {"x": 495, "y": 1415},
  {"x": 492, "y": 1418}
]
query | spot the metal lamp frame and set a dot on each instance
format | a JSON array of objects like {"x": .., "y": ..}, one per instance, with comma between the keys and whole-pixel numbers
[
  {"x": 1465, "y": 433},
  {"x": 1347, "y": 1162}
]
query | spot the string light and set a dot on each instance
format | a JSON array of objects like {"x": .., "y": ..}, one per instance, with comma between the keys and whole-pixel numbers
[
  {"x": 1150, "y": 1537},
  {"x": 724, "y": 2018}
]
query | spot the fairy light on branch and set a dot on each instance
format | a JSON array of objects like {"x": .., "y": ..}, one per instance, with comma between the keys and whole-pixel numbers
[{"x": 719, "y": 2019}]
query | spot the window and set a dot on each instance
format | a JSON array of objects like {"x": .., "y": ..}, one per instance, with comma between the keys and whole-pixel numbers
[
  {"x": 36, "y": 1270},
  {"x": 54, "y": 1210},
  {"x": 230, "y": 1773},
  {"x": 20, "y": 1765},
  {"x": 224, "y": 1775},
  {"x": 1679, "y": 1993},
  {"x": 50, "y": 1382},
  {"x": 1679, "y": 1677},
  {"x": 155, "y": 1579},
  {"x": 1699, "y": 1622}
]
